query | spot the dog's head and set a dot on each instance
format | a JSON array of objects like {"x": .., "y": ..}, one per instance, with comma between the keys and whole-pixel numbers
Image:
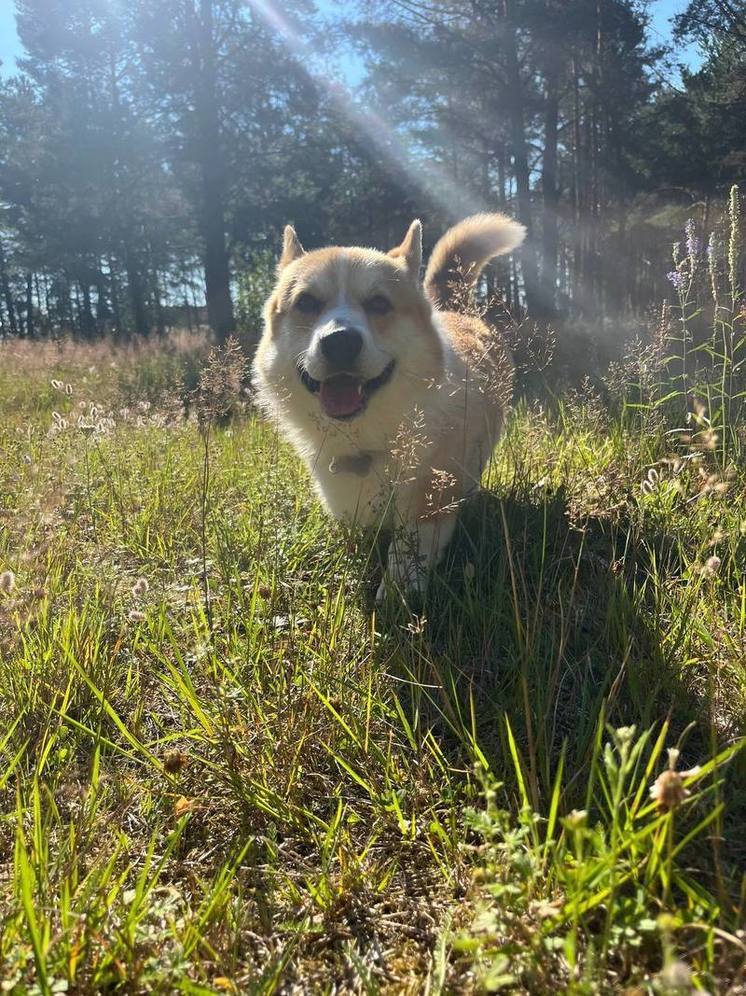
[{"x": 345, "y": 327}]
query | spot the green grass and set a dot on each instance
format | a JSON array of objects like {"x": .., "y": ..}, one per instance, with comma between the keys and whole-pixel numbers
[{"x": 305, "y": 797}]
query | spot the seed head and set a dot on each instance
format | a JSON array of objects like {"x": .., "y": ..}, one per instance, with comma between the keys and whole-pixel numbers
[
  {"x": 712, "y": 566},
  {"x": 576, "y": 819},
  {"x": 668, "y": 790},
  {"x": 7, "y": 582},
  {"x": 175, "y": 760},
  {"x": 136, "y": 616},
  {"x": 140, "y": 587},
  {"x": 676, "y": 977}
]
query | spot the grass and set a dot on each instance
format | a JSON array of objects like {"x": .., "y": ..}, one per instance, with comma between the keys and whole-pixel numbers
[{"x": 219, "y": 772}]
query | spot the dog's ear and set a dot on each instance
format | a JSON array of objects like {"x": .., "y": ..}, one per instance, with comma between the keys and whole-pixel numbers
[
  {"x": 410, "y": 251},
  {"x": 291, "y": 248}
]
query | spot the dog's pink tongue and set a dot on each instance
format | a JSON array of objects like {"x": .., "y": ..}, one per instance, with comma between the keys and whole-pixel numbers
[{"x": 340, "y": 396}]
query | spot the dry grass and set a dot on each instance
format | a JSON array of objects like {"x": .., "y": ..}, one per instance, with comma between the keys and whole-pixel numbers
[{"x": 219, "y": 773}]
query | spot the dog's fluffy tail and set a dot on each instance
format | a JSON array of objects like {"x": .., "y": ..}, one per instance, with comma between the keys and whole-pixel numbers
[{"x": 459, "y": 257}]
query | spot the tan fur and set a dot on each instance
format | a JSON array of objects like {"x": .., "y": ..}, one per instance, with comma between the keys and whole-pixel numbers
[
  {"x": 459, "y": 257},
  {"x": 419, "y": 444}
]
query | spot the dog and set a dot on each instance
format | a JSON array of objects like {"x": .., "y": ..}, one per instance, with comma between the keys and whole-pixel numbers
[{"x": 392, "y": 393}]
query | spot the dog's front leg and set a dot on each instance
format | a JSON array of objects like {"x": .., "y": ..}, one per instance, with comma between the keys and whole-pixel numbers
[{"x": 414, "y": 552}]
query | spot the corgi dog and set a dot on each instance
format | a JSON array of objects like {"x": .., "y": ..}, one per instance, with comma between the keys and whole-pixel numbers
[{"x": 389, "y": 390}]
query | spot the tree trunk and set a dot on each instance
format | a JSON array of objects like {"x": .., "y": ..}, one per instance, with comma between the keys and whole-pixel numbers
[
  {"x": 103, "y": 311},
  {"x": 549, "y": 185},
  {"x": 114, "y": 290},
  {"x": 520, "y": 158},
  {"x": 212, "y": 214},
  {"x": 88, "y": 322},
  {"x": 7, "y": 293},
  {"x": 136, "y": 293},
  {"x": 160, "y": 322},
  {"x": 29, "y": 305},
  {"x": 577, "y": 190}
]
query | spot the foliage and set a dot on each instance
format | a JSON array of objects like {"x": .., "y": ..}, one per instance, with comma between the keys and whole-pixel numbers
[
  {"x": 150, "y": 155},
  {"x": 219, "y": 772}
]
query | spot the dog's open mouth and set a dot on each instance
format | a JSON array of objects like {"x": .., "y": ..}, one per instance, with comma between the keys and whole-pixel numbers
[{"x": 343, "y": 395}]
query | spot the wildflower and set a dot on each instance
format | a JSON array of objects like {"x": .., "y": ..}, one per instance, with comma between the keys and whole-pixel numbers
[
  {"x": 140, "y": 587},
  {"x": 7, "y": 582},
  {"x": 693, "y": 244},
  {"x": 712, "y": 566},
  {"x": 734, "y": 241},
  {"x": 677, "y": 278},
  {"x": 713, "y": 255},
  {"x": 223, "y": 982},
  {"x": 136, "y": 616},
  {"x": 668, "y": 790},
  {"x": 183, "y": 805}
]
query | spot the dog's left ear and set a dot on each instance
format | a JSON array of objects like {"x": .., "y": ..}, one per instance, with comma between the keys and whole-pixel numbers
[
  {"x": 410, "y": 251},
  {"x": 291, "y": 247}
]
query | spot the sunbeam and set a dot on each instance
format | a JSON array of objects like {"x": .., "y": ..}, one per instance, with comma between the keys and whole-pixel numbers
[{"x": 431, "y": 179}]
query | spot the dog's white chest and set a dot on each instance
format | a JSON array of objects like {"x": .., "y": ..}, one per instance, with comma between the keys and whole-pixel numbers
[{"x": 355, "y": 486}]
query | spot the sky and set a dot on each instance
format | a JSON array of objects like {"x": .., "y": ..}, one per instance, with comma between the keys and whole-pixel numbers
[{"x": 661, "y": 12}]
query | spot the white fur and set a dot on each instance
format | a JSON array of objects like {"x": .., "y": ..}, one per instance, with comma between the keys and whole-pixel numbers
[{"x": 432, "y": 422}]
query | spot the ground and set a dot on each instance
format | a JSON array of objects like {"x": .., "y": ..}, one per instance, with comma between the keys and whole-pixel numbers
[{"x": 221, "y": 772}]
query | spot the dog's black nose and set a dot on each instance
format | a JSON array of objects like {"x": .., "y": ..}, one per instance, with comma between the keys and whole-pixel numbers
[{"x": 342, "y": 346}]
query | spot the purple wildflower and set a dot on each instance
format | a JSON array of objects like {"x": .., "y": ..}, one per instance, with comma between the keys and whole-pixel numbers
[
  {"x": 693, "y": 243},
  {"x": 677, "y": 279}
]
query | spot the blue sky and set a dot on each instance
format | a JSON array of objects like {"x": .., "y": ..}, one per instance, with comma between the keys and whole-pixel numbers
[{"x": 661, "y": 10}]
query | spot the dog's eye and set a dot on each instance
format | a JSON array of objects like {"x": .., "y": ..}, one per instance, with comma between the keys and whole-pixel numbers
[
  {"x": 378, "y": 305},
  {"x": 307, "y": 304}
]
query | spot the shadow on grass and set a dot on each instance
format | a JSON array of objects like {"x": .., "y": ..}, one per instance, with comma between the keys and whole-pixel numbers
[{"x": 557, "y": 628}]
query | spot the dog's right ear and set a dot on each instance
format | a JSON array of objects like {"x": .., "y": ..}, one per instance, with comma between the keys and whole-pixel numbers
[
  {"x": 410, "y": 251},
  {"x": 291, "y": 248}
]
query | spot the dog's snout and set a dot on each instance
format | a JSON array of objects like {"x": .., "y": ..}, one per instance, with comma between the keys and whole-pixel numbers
[{"x": 342, "y": 346}]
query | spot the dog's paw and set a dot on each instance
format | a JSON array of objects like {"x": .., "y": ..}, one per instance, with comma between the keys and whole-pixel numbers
[
  {"x": 404, "y": 576},
  {"x": 381, "y": 594}
]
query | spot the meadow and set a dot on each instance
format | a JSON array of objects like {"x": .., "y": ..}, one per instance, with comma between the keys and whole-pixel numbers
[{"x": 221, "y": 771}]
